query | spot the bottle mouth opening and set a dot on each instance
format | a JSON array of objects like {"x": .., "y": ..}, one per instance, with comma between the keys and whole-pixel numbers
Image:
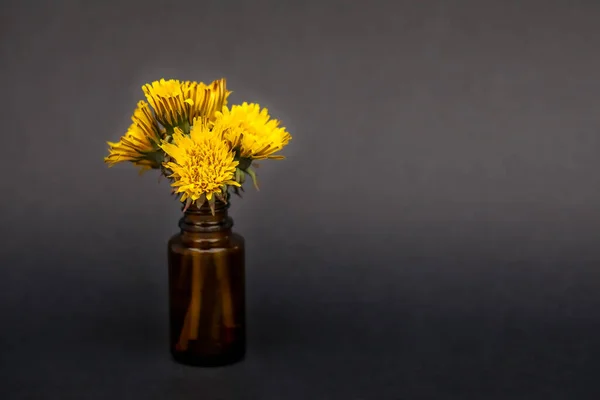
[{"x": 194, "y": 209}]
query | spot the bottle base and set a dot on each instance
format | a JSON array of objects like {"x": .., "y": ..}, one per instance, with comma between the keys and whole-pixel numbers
[{"x": 207, "y": 361}]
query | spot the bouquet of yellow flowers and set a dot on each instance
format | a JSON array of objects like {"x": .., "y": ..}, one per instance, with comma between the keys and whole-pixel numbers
[{"x": 205, "y": 148}]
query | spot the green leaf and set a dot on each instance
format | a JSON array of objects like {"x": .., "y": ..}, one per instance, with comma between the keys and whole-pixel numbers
[
  {"x": 252, "y": 174},
  {"x": 211, "y": 204},
  {"x": 201, "y": 200},
  {"x": 188, "y": 203},
  {"x": 236, "y": 191}
]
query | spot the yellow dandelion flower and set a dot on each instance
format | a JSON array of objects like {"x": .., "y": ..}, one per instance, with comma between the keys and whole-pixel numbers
[
  {"x": 170, "y": 100},
  {"x": 140, "y": 143},
  {"x": 202, "y": 164},
  {"x": 251, "y": 130},
  {"x": 206, "y": 99},
  {"x": 176, "y": 102}
]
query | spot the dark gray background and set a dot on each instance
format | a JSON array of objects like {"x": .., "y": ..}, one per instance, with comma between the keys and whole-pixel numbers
[{"x": 432, "y": 234}]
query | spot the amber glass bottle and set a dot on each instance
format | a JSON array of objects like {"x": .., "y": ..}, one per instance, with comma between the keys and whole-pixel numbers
[{"x": 207, "y": 289}]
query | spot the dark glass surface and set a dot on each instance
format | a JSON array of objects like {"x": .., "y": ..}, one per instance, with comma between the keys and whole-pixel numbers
[{"x": 207, "y": 289}]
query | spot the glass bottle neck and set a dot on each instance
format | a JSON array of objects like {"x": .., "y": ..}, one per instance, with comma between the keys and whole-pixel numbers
[{"x": 201, "y": 220}]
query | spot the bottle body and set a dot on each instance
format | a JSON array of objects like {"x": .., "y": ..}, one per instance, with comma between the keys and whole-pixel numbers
[{"x": 207, "y": 290}]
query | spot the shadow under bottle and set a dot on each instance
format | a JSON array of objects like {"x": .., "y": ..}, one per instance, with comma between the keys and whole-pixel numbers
[{"x": 207, "y": 289}]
